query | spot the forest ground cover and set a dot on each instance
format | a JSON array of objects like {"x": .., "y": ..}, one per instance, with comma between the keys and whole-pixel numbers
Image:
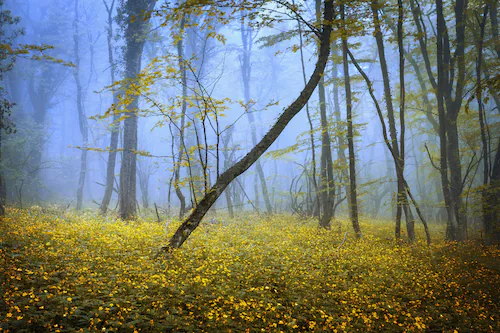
[{"x": 65, "y": 272}]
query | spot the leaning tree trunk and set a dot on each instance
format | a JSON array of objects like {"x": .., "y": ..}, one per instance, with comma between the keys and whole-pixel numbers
[
  {"x": 134, "y": 43},
  {"x": 192, "y": 222},
  {"x": 352, "y": 194},
  {"x": 115, "y": 126}
]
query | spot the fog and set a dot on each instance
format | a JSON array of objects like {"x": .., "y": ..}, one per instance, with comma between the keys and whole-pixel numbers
[{"x": 238, "y": 80}]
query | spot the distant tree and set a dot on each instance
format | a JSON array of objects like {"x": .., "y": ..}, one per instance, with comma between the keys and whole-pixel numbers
[
  {"x": 82, "y": 118},
  {"x": 115, "y": 124},
  {"x": 247, "y": 37}
]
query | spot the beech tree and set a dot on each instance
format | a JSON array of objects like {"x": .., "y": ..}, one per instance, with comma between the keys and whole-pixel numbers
[{"x": 136, "y": 16}]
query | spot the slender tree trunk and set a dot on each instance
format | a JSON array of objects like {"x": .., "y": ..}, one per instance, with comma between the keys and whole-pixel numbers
[
  {"x": 247, "y": 39},
  {"x": 115, "y": 126},
  {"x": 317, "y": 201},
  {"x": 327, "y": 185},
  {"x": 82, "y": 119},
  {"x": 182, "y": 146},
  {"x": 410, "y": 222},
  {"x": 390, "y": 114},
  {"x": 341, "y": 140},
  {"x": 353, "y": 197},
  {"x": 227, "y": 164},
  {"x": 387, "y": 141},
  {"x": 490, "y": 212},
  {"x": 194, "y": 219},
  {"x": 134, "y": 43}
]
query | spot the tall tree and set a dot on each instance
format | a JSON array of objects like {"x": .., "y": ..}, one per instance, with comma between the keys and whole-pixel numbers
[
  {"x": 450, "y": 90},
  {"x": 115, "y": 126},
  {"x": 247, "y": 37},
  {"x": 327, "y": 185},
  {"x": 317, "y": 202},
  {"x": 352, "y": 194},
  {"x": 136, "y": 17},
  {"x": 82, "y": 119},
  {"x": 402, "y": 203}
]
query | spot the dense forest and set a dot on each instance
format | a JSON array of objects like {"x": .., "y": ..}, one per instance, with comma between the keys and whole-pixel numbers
[{"x": 251, "y": 165}]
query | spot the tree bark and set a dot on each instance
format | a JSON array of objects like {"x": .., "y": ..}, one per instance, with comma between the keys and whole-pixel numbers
[
  {"x": 192, "y": 222},
  {"x": 353, "y": 197},
  {"x": 450, "y": 107},
  {"x": 135, "y": 31},
  {"x": 327, "y": 185},
  {"x": 410, "y": 222},
  {"x": 182, "y": 146},
  {"x": 401, "y": 194}
]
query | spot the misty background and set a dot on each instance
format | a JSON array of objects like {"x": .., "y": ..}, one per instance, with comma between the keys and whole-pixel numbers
[{"x": 238, "y": 80}]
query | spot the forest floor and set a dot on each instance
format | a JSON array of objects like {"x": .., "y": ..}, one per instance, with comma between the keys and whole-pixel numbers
[{"x": 65, "y": 272}]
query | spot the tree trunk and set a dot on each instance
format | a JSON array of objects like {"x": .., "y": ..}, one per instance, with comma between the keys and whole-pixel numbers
[
  {"x": 228, "y": 156},
  {"x": 447, "y": 65},
  {"x": 490, "y": 190},
  {"x": 410, "y": 223},
  {"x": 317, "y": 202},
  {"x": 341, "y": 140},
  {"x": 352, "y": 194},
  {"x": 134, "y": 43},
  {"x": 390, "y": 114},
  {"x": 327, "y": 185},
  {"x": 82, "y": 119},
  {"x": 247, "y": 39},
  {"x": 399, "y": 170},
  {"x": 115, "y": 126},
  {"x": 443, "y": 168},
  {"x": 192, "y": 222},
  {"x": 182, "y": 146}
]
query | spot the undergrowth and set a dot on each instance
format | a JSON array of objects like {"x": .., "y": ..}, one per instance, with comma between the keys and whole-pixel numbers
[{"x": 65, "y": 272}]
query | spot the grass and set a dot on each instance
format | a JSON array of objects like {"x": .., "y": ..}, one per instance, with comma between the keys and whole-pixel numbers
[{"x": 64, "y": 272}]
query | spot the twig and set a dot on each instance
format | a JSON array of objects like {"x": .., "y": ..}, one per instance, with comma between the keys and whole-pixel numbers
[
  {"x": 467, "y": 171},
  {"x": 343, "y": 241},
  {"x": 157, "y": 214},
  {"x": 430, "y": 158}
]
